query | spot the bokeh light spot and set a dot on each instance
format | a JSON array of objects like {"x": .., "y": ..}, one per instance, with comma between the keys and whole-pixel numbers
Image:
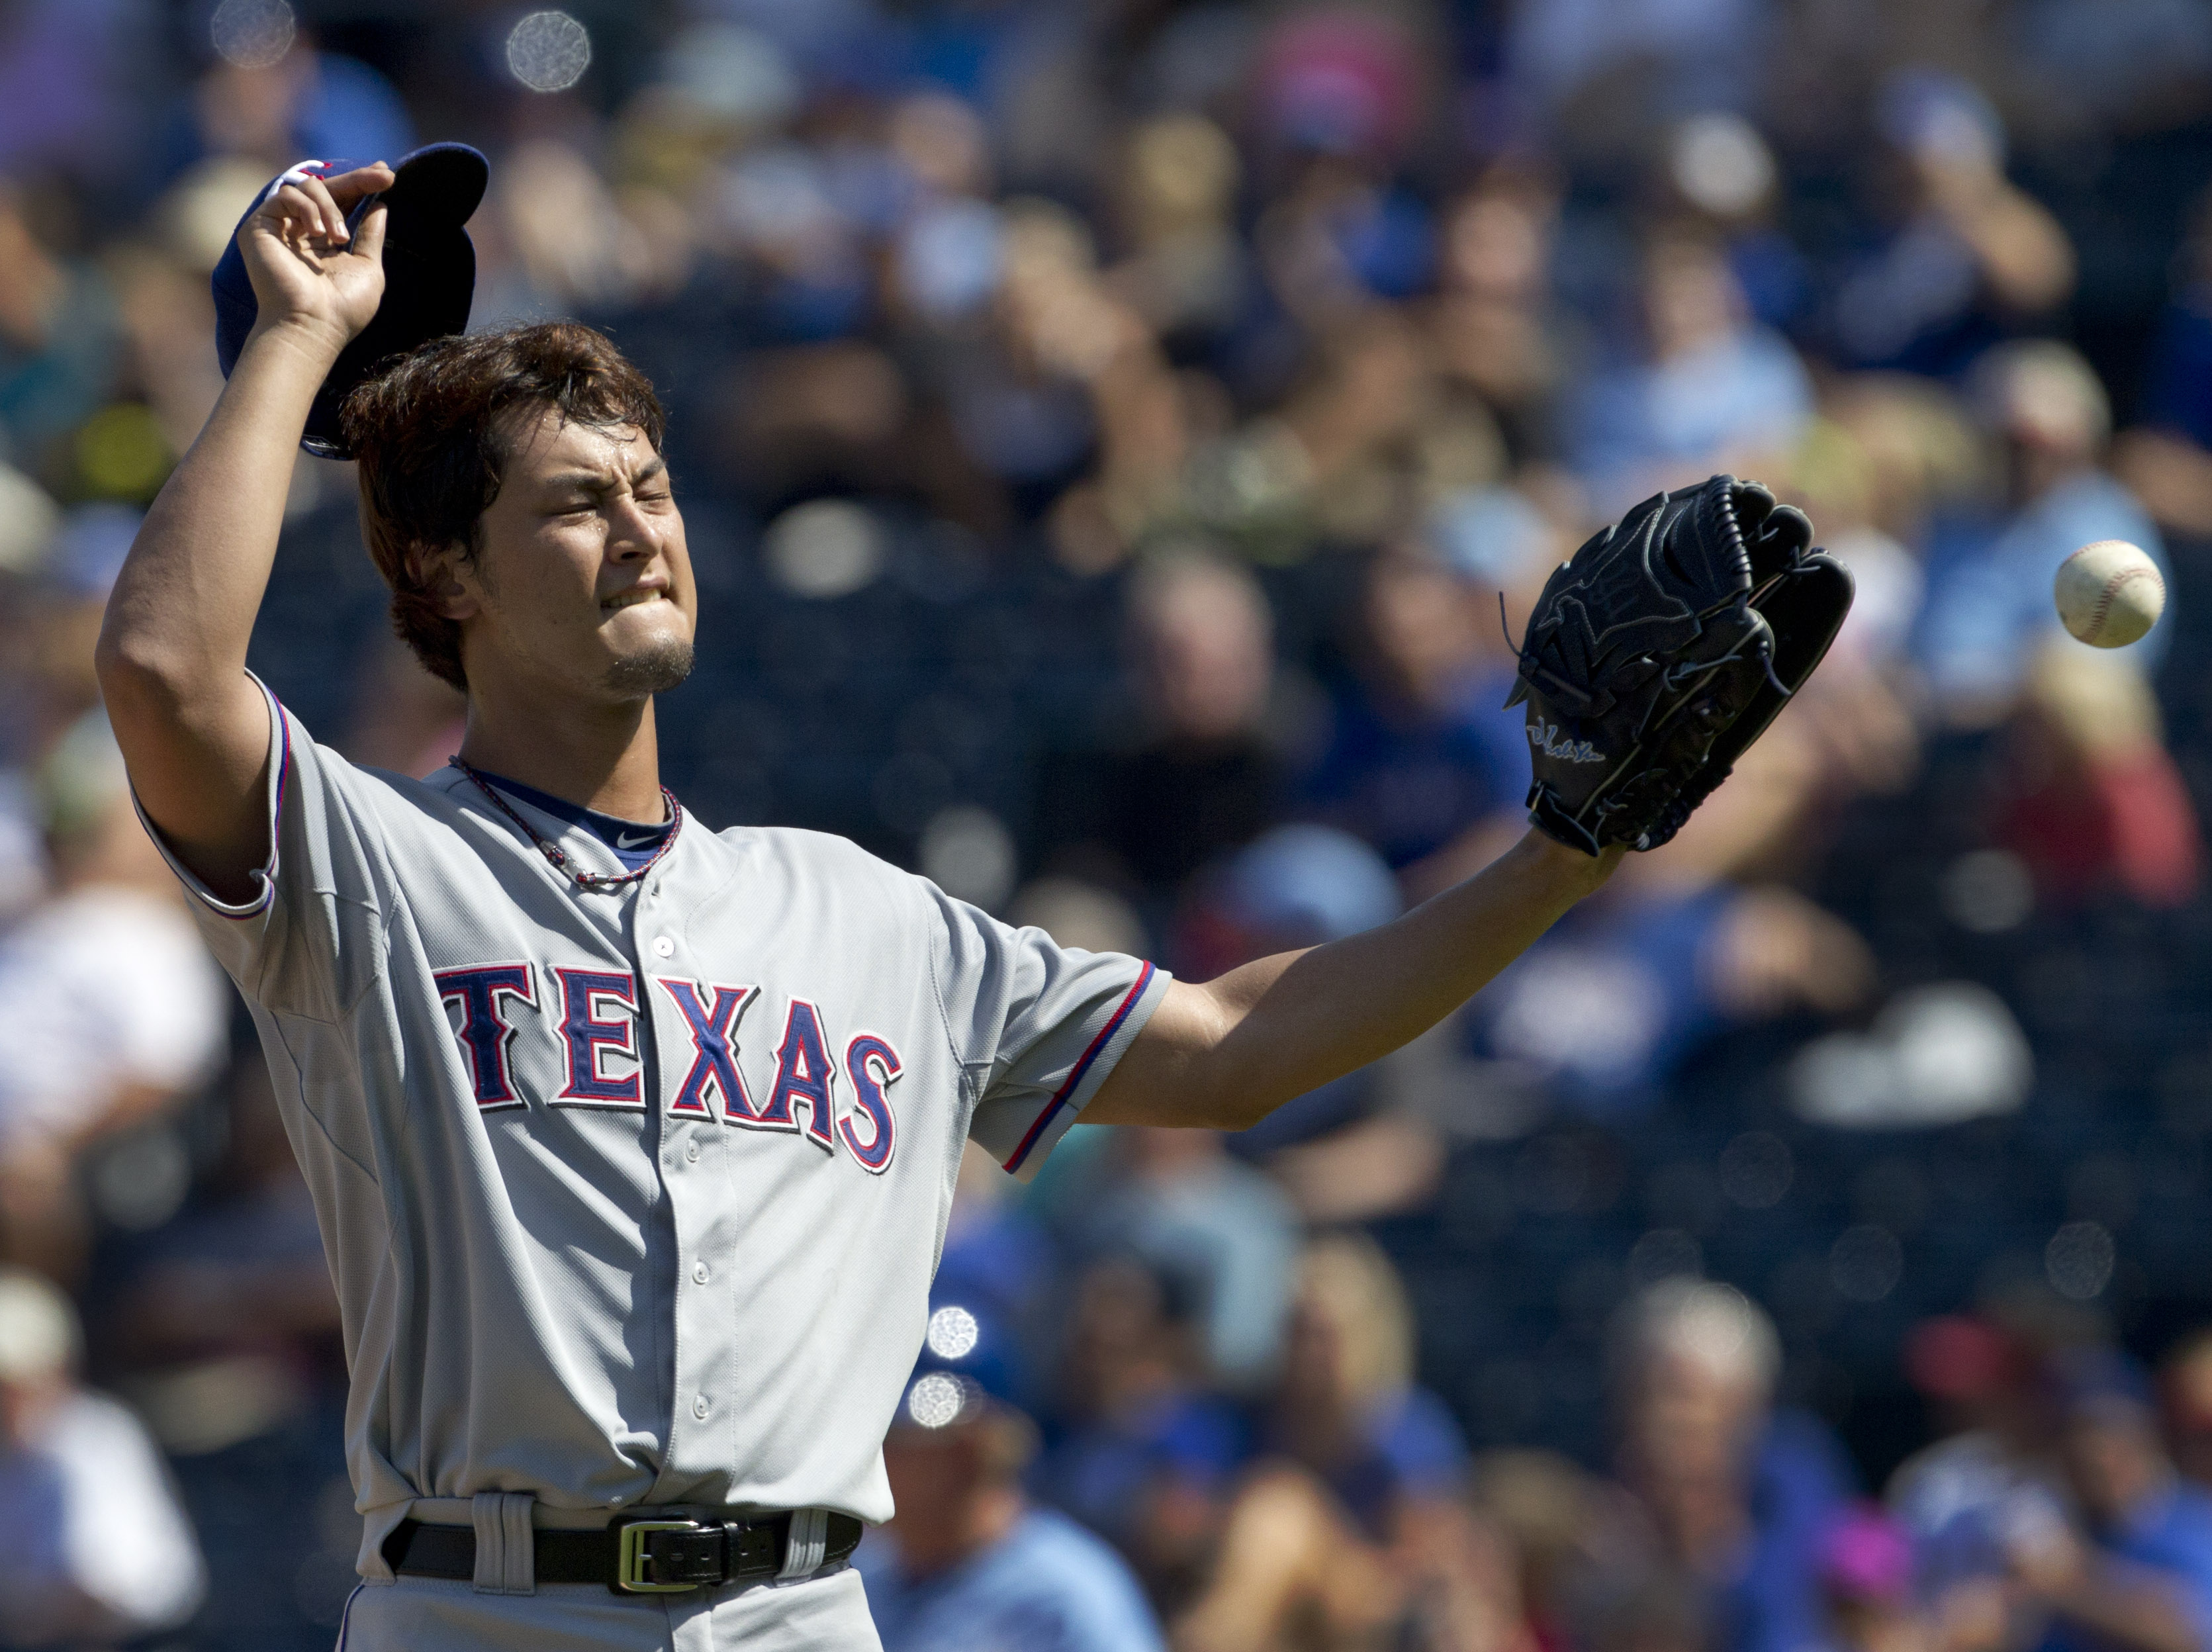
[
  {"x": 1866, "y": 1263},
  {"x": 935, "y": 1401},
  {"x": 1756, "y": 1170},
  {"x": 121, "y": 453},
  {"x": 549, "y": 51},
  {"x": 2078, "y": 1260},
  {"x": 954, "y": 1333},
  {"x": 252, "y": 33}
]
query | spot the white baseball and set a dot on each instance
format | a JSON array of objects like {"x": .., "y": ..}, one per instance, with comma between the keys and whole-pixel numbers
[{"x": 2109, "y": 593}]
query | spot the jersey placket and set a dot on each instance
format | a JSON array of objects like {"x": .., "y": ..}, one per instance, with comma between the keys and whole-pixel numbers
[{"x": 690, "y": 1168}]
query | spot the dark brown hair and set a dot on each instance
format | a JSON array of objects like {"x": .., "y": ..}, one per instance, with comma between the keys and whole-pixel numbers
[{"x": 431, "y": 432}]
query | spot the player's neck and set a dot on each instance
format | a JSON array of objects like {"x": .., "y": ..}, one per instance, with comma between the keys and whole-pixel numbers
[{"x": 602, "y": 758}]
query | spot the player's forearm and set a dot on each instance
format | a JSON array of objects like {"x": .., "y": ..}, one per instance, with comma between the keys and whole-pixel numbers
[
  {"x": 184, "y": 604},
  {"x": 1229, "y": 1052}
]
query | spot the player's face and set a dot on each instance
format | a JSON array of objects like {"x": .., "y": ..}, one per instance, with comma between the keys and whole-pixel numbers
[{"x": 582, "y": 579}]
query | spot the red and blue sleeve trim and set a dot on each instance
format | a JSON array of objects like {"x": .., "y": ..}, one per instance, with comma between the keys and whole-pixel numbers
[
  {"x": 284, "y": 755},
  {"x": 1075, "y": 1074}
]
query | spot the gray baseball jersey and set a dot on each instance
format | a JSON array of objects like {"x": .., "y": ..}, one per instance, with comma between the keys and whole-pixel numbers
[{"x": 635, "y": 1196}]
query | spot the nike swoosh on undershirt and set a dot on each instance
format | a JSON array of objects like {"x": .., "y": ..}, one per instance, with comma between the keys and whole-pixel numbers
[{"x": 624, "y": 840}]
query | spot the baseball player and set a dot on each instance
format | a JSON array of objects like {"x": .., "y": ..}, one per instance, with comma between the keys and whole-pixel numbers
[{"x": 632, "y": 1143}]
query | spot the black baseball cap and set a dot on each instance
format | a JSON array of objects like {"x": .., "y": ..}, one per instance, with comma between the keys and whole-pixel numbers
[{"x": 429, "y": 273}]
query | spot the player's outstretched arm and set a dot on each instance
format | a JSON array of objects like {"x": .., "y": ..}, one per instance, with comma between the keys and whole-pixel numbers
[
  {"x": 172, "y": 655},
  {"x": 1226, "y": 1053}
]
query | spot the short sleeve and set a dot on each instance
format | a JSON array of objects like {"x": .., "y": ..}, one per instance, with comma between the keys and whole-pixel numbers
[
  {"x": 1036, "y": 1026},
  {"x": 310, "y": 935}
]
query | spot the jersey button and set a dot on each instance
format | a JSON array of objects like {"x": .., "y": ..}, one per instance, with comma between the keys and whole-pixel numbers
[
  {"x": 699, "y": 1407},
  {"x": 662, "y": 947},
  {"x": 692, "y": 1152},
  {"x": 699, "y": 1274}
]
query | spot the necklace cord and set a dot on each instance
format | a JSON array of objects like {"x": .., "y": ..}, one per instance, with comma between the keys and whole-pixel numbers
[{"x": 592, "y": 881}]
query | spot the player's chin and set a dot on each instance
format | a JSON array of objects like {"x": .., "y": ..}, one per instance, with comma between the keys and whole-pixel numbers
[{"x": 651, "y": 664}]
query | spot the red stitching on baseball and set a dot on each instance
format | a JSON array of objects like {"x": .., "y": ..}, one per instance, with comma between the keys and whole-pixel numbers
[{"x": 2112, "y": 587}]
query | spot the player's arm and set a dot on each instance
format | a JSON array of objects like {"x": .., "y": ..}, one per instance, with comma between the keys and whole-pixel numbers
[
  {"x": 172, "y": 654},
  {"x": 1225, "y": 1053}
]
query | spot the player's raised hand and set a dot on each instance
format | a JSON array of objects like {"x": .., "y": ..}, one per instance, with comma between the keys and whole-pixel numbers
[{"x": 307, "y": 269}]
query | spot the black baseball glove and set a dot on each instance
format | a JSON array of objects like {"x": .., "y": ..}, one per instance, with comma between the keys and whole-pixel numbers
[{"x": 1661, "y": 651}]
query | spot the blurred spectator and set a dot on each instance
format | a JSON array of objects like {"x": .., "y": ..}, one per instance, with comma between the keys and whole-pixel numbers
[
  {"x": 67, "y": 75},
  {"x": 1552, "y": 1514},
  {"x": 1643, "y": 52},
  {"x": 1721, "y": 1490},
  {"x": 1186, "y": 271},
  {"x": 1719, "y": 169},
  {"x": 1363, "y": 1145},
  {"x": 1286, "y": 1563},
  {"x": 1176, "y": 1199},
  {"x": 1199, "y": 772},
  {"x": 1342, "y": 92},
  {"x": 52, "y": 620},
  {"x": 1291, "y": 1572},
  {"x": 1833, "y": 474},
  {"x": 226, "y": 1314},
  {"x": 30, "y": 517},
  {"x": 1497, "y": 326},
  {"x": 2141, "y": 1581},
  {"x": 1347, "y": 1406},
  {"x": 110, "y": 1000},
  {"x": 1969, "y": 257},
  {"x": 168, "y": 324},
  {"x": 1860, "y": 713},
  {"x": 1353, "y": 1522},
  {"x": 556, "y": 243},
  {"x": 1989, "y": 606},
  {"x": 1072, "y": 389},
  {"x": 1333, "y": 461},
  {"x": 98, "y": 1553},
  {"x": 405, "y": 720},
  {"x": 2166, "y": 460},
  {"x": 1866, "y": 1582},
  {"x": 271, "y": 97},
  {"x": 1920, "y": 454},
  {"x": 972, "y": 1562},
  {"x": 1706, "y": 390},
  {"x": 1140, "y": 1453},
  {"x": 1421, "y": 750},
  {"x": 2091, "y": 801},
  {"x": 1685, "y": 942},
  {"x": 1986, "y": 1479},
  {"x": 994, "y": 1254},
  {"x": 59, "y": 340},
  {"x": 2185, "y": 1399},
  {"x": 1650, "y": 1610}
]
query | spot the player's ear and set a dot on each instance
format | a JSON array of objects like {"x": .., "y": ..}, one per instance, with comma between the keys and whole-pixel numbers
[{"x": 440, "y": 574}]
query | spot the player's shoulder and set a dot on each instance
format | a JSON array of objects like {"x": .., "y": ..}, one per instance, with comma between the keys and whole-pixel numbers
[
  {"x": 327, "y": 770},
  {"x": 801, "y": 847},
  {"x": 821, "y": 859}
]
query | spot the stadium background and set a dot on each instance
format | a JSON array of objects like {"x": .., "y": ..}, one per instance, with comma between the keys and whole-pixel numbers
[{"x": 1104, "y": 429}]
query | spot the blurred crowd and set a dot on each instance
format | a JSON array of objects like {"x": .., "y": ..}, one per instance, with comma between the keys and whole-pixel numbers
[{"x": 1121, "y": 440}]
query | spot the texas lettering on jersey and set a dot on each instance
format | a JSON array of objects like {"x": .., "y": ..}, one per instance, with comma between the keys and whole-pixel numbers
[
  {"x": 492, "y": 1003},
  {"x": 582, "y": 1158}
]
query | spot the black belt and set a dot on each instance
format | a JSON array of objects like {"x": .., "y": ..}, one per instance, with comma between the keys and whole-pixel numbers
[{"x": 652, "y": 1552}]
